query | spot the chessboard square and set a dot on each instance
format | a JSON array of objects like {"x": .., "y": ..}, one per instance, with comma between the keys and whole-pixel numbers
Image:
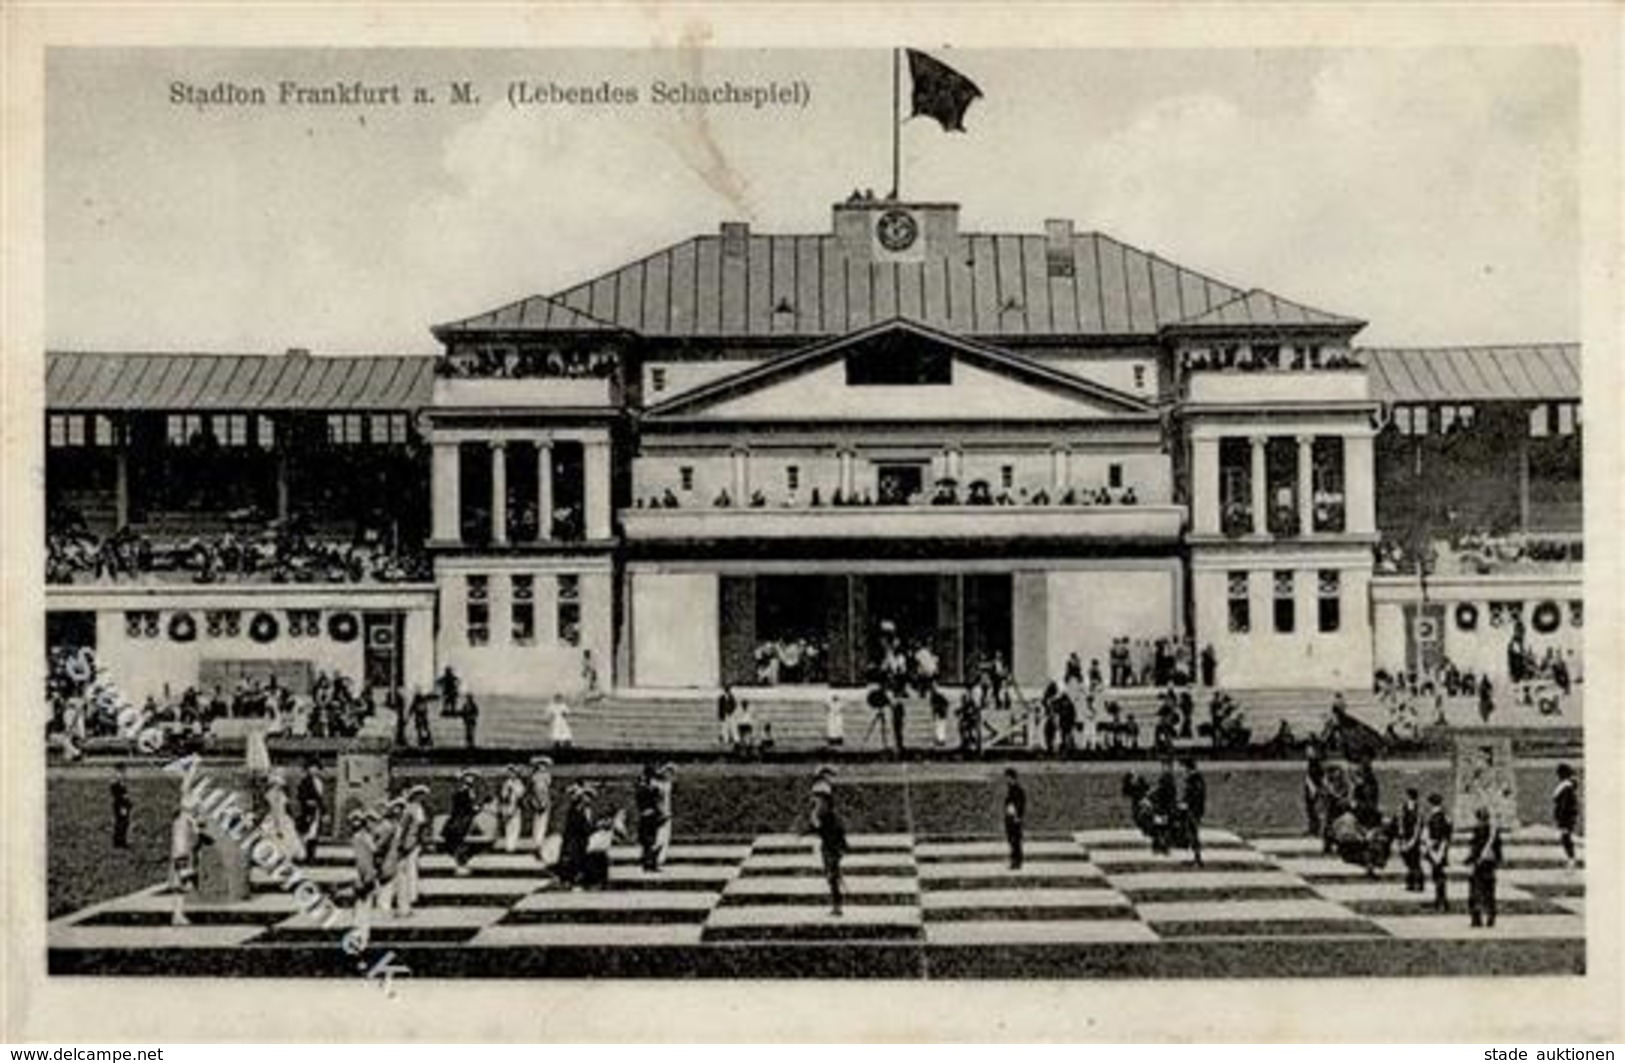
[
  {"x": 1133, "y": 838},
  {"x": 1225, "y": 911},
  {"x": 490, "y": 886},
  {"x": 941, "y": 852},
  {"x": 451, "y": 917},
  {"x": 1293, "y": 845},
  {"x": 1457, "y": 925},
  {"x": 1391, "y": 889},
  {"x": 1542, "y": 876},
  {"x": 853, "y": 861},
  {"x": 586, "y": 935},
  {"x": 792, "y": 915},
  {"x": 1046, "y": 932},
  {"x": 1202, "y": 880},
  {"x": 715, "y": 875},
  {"x": 811, "y": 886},
  {"x": 638, "y": 900},
  {"x": 933, "y": 900},
  {"x": 323, "y": 875},
  {"x": 149, "y": 937},
  {"x": 1001, "y": 870}
]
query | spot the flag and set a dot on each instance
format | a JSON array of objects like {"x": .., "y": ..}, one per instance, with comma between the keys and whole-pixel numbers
[{"x": 940, "y": 91}]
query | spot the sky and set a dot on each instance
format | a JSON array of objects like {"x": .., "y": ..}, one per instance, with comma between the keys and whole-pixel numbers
[{"x": 1431, "y": 192}]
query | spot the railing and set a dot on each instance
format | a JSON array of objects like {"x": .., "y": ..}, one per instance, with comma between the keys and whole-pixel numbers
[{"x": 1161, "y": 522}]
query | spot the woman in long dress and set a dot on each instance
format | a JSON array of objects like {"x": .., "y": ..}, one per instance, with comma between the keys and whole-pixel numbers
[
  {"x": 279, "y": 825},
  {"x": 835, "y": 720},
  {"x": 559, "y": 727}
]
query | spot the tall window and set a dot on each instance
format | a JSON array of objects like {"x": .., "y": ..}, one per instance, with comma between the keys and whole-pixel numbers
[
  {"x": 1239, "y": 592},
  {"x": 1007, "y": 476},
  {"x": 105, "y": 436},
  {"x": 1327, "y": 464},
  {"x": 344, "y": 429},
  {"x": 182, "y": 428},
  {"x": 230, "y": 429},
  {"x": 685, "y": 476},
  {"x": 1286, "y": 617},
  {"x": 569, "y": 609},
  {"x": 524, "y": 610},
  {"x": 389, "y": 428},
  {"x": 478, "y": 615},
  {"x": 792, "y": 477},
  {"x": 1114, "y": 475},
  {"x": 266, "y": 432},
  {"x": 1328, "y": 587},
  {"x": 657, "y": 378}
]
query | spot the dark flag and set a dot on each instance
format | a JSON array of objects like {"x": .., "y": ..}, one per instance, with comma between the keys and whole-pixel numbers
[{"x": 940, "y": 91}]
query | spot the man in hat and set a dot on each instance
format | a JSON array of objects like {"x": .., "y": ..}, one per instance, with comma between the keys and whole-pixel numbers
[
  {"x": 577, "y": 834},
  {"x": 664, "y": 782},
  {"x": 509, "y": 797},
  {"x": 1483, "y": 858},
  {"x": 1436, "y": 834},
  {"x": 411, "y": 831},
  {"x": 825, "y": 822},
  {"x": 539, "y": 801},
  {"x": 1015, "y": 816},
  {"x": 1408, "y": 836},
  {"x": 364, "y": 851},
  {"x": 465, "y": 805},
  {"x": 1566, "y": 811}
]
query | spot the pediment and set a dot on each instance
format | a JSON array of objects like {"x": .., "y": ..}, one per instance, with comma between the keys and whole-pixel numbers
[{"x": 901, "y": 371}]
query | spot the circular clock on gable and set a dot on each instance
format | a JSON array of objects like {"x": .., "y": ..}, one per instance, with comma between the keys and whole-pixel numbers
[{"x": 897, "y": 230}]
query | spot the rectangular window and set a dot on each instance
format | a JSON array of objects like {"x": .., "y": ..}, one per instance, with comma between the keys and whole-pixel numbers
[
  {"x": 104, "y": 435},
  {"x": 266, "y": 432},
  {"x": 478, "y": 614},
  {"x": 1114, "y": 475},
  {"x": 1139, "y": 376},
  {"x": 881, "y": 366},
  {"x": 76, "y": 431},
  {"x": 657, "y": 379},
  {"x": 181, "y": 429},
  {"x": 1007, "y": 476},
  {"x": 685, "y": 476},
  {"x": 1286, "y": 614},
  {"x": 1239, "y": 595},
  {"x": 380, "y": 428},
  {"x": 569, "y": 609},
  {"x": 56, "y": 428},
  {"x": 1329, "y": 587},
  {"x": 1540, "y": 420},
  {"x": 1565, "y": 419},
  {"x": 524, "y": 610},
  {"x": 230, "y": 429},
  {"x": 346, "y": 429},
  {"x": 792, "y": 477}
]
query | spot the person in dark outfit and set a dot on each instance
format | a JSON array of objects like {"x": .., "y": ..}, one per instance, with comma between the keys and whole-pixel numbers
[
  {"x": 825, "y": 822},
  {"x": 1193, "y": 806},
  {"x": 646, "y": 797},
  {"x": 1436, "y": 833},
  {"x": 1314, "y": 785},
  {"x": 1408, "y": 836},
  {"x": 449, "y": 689},
  {"x": 1164, "y": 805},
  {"x": 309, "y": 804},
  {"x": 1015, "y": 816},
  {"x": 1483, "y": 858},
  {"x": 465, "y": 805},
  {"x": 898, "y": 711},
  {"x": 420, "y": 720},
  {"x": 1210, "y": 666},
  {"x": 1566, "y": 810},
  {"x": 576, "y": 836},
  {"x": 119, "y": 790},
  {"x": 1366, "y": 796},
  {"x": 471, "y": 719}
]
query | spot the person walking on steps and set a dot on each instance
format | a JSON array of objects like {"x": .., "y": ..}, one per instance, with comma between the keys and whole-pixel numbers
[{"x": 825, "y": 822}]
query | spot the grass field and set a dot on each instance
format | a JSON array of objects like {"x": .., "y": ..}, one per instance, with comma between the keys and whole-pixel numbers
[{"x": 730, "y": 800}]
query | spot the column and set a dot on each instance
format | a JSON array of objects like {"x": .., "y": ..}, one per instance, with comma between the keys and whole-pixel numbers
[
  {"x": 544, "y": 489},
  {"x": 1060, "y": 470},
  {"x": 846, "y": 474},
  {"x": 741, "y": 470},
  {"x": 121, "y": 476},
  {"x": 499, "y": 492},
  {"x": 595, "y": 470},
  {"x": 1204, "y": 486},
  {"x": 1359, "y": 484},
  {"x": 446, "y": 485},
  {"x": 1306, "y": 485},
  {"x": 1260, "y": 490},
  {"x": 956, "y": 465}
]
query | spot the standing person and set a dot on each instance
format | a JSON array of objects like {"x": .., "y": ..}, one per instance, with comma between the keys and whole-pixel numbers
[
  {"x": 119, "y": 791},
  {"x": 558, "y": 712},
  {"x": 646, "y": 799},
  {"x": 279, "y": 825},
  {"x": 1164, "y": 806},
  {"x": 539, "y": 801},
  {"x": 420, "y": 720},
  {"x": 1408, "y": 835},
  {"x": 825, "y": 821},
  {"x": 578, "y": 826},
  {"x": 745, "y": 728},
  {"x": 310, "y": 800},
  {"x": 397, "y": 705},
  {"x": 471, "y": 719},
  {"x": 449, "y": 689},
  {"x": 939, "y": 717},
  {"x": 509, "y": 797},
  {"x": 1566, "y": 811},
  {"x": 1314, "y": 787},
  {"x": 459, "y": 823},
  {"x": 899, "y": 710},
  {"x": 1486, "y": 698},
  {"x": 834, "y": 720},
  {"x": 1193, "y": 805},
  {"x": 1483, "y": 858},
  {"x": 727, "y": 705},
  {"x": 1015, "y": 817},
  {"x": 412, "y": 831},
  {"x": 1210, "y": 666},
  {"x": 185, "y": 839},
  {"x": 364, "y": 848},
  {"x": 665, "y": 785},
  {"x": 1436, "y": 833}
]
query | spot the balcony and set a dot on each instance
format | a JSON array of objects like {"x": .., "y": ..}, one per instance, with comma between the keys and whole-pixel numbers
[
  {"x": 1118, "y": 523},
  {"x": 1228, "y": 387},
  {"x": 524, "y": 392}
]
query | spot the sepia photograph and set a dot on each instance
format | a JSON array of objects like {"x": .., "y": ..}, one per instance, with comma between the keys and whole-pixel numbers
[{"x": 922, "y": 512}]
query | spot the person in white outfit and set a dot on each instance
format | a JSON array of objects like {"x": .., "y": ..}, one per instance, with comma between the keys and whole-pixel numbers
[
  {"x": 559, "y": 727},
  {"x": 412, "y": 829},
  {"x": 539, "y": 801},
  {"x": 835, "y": 720},
  {"x": 508, "y": 810}
]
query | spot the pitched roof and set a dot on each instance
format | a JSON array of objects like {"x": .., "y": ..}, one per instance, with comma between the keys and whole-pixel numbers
[
  {"x": 991, "y": 285},
  {"x": 537, "y": 312},
  {"x": 1258, "y": 308},
  {"x": 146, "y": 381},
  {"x": 1532, "y": 372},
  {"x": 765, "y": 373}
]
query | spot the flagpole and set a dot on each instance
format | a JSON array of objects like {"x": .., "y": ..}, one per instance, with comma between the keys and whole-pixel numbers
[{"x": 896, "y": 121}]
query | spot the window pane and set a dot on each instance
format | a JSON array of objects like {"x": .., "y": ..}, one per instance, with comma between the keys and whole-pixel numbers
[
  {"x": 57, "y": 430},
  {"x": 76, "y": 431}
]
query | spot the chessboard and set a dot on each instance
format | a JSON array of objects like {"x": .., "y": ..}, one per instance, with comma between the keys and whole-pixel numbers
[{"x": 1095, "y": 903}]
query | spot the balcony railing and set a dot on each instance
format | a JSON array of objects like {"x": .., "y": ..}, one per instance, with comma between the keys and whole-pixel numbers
[{"x": 1126, "y": 523}]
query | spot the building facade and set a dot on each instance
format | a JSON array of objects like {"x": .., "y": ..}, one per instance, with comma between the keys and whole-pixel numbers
[{"x": 743, "y": 457}]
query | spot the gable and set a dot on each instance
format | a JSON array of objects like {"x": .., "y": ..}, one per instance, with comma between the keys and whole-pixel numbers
[{"x": 901, "y": 371}]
